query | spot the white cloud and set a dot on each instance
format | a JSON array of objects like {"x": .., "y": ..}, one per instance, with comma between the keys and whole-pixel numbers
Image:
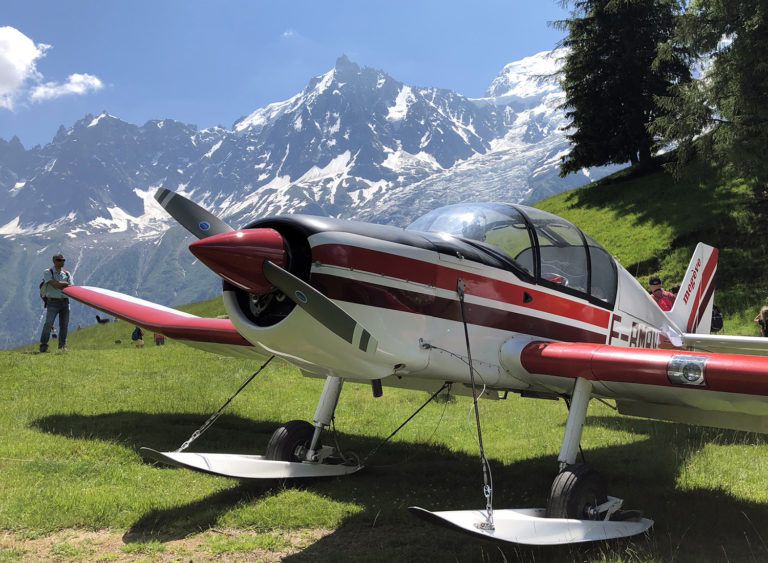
[
  {"x": 18, "y": 54},
  {"x": 21, "y": 81},
  {"x": 75, "y": 84}
]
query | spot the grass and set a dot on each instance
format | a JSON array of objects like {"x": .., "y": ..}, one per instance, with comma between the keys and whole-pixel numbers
[{"x": 71, "y": 426}]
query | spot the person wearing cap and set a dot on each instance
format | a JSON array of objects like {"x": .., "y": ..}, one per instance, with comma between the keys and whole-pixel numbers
[
  {"x": 55, "y": 279},
  {"x": 664, "y": 299}
]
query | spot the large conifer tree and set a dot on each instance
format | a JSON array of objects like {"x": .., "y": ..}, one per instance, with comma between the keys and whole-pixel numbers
[
  {"x": 729, "y": 103},
  {"x": 619, "y": 58}
]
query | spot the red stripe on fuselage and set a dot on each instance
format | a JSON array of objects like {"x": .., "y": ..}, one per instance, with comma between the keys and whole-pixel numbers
[
  {"x": 443, "y": 277},
  {"x": 385, "y": 297}
]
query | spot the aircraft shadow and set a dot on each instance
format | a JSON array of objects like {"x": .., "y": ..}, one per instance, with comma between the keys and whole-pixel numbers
[
  {"x": 134, "y": 429},
  {"x": 692, "y": 524}
]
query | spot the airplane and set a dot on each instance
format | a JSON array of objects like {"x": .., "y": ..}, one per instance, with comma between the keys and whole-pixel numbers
[{"x": 485, "y": 299}]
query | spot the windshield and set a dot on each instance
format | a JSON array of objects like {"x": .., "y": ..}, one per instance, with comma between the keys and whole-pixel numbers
[
  {"x": 545, "y": 246},
  {"x": 498, "y": 224}
]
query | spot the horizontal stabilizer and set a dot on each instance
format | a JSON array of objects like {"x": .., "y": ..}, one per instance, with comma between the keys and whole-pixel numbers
[
  {"x": 242, "y": 466},
  {"x": 727, "y": 344}
]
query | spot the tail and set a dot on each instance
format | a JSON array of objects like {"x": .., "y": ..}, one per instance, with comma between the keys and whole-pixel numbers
[{"x": 692, "y": 310}]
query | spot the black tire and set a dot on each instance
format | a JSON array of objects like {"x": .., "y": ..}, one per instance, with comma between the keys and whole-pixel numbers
[
  {"x": 575, "y": 490},
  {"x": 287, "y": 438}
]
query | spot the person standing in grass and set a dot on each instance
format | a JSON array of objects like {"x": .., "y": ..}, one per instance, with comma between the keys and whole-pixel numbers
[
  {"x": 55, "y": 279},
  {"x": 762, "y": 320}
]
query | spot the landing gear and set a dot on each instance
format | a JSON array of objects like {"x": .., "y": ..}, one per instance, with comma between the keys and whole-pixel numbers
[
  {"x": 290, "y": 442},
  {"x": 578, "y": 489},
  {"x": 578, "y": 509},
  {"x": 293, "y": 451},
  {"x": 576, "y": 493},
  {"x": 299, "y": 441}
]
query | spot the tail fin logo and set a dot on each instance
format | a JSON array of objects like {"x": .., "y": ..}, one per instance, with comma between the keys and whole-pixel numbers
[
  {"x": 692, "y": 310},
  {"x": 692, "y": 284}
]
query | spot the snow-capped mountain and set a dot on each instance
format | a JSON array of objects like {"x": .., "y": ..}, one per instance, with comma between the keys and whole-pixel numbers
[{"x": 355, "y": 143}]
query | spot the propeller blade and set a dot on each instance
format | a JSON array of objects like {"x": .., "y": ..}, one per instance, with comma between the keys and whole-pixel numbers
[
  {"x": 198, "y": 221},
  {"x": 322, "y": 309}
]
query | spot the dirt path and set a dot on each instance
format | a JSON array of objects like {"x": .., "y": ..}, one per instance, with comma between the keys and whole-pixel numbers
[{"x": 106, "y": 545}]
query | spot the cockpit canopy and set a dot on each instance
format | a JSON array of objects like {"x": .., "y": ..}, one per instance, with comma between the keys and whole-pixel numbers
[{"x": 543, "y": 247}]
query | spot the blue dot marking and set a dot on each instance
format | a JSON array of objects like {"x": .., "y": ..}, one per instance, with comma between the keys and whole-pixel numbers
[
  {"x": 204, "y": 225},
  {"x": 301, "y": 297}
]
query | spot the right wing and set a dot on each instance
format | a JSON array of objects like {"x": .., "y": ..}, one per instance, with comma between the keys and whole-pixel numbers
[
  {"x": 212, "y": 335},
  {"x": 704, "y": 388}
]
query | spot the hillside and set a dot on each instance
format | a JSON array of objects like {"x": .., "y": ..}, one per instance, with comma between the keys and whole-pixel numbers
[{"x": 652, "y": 222}]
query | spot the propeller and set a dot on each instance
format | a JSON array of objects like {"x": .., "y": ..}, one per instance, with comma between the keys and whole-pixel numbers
[
  {"x": 220, "y": 242},
  {"x": 318, "y": 306},
  {"x": 198, "y": 221}
]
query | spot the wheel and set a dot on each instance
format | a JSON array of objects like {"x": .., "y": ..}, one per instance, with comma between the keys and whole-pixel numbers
[
  {"x": 288, "y": 438},
  {"x": 575, "y": 490}
]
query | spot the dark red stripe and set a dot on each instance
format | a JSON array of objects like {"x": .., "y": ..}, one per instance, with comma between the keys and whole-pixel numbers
[
  {"x": 374, "y": 295},
  {"x": 699, "y": 304},
  {"x": 444, "y": 277}
]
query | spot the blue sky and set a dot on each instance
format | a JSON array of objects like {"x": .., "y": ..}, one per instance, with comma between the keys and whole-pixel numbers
[{"x": 209, "y": 63}]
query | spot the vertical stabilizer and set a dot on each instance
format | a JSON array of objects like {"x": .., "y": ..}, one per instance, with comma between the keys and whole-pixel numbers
[{"x": 692, "y": 310}]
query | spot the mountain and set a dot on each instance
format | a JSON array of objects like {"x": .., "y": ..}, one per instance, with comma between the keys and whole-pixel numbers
[{"x": 355, "y": 143}]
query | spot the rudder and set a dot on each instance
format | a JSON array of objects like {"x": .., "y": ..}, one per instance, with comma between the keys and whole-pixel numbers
[{"x": 692, "y": 311}]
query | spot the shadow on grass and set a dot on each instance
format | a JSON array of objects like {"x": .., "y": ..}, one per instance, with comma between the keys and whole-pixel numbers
[
  {"x": 162, "y": 431},
  {"x": 691, "y": 524}
]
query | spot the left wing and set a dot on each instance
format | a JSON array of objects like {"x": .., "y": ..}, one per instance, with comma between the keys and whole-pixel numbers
[
  {"x": 213, "y": 335},
  {"x": 711, "y": 389}
]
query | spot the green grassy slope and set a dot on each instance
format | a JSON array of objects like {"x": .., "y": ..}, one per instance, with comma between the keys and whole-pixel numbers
[
  {"x": 652, "y": 223},
  {"x": 71, "y": 426}
]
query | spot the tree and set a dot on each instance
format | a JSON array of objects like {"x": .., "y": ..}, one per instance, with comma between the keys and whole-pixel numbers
[
  {"x": 620, "y": 58},
  {"x": 727, "y": 107}
]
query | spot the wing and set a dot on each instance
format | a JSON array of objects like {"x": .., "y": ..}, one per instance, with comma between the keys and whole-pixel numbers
[
  {"x": 212, "y": 335},
  {"x": 711, "y": 389}
]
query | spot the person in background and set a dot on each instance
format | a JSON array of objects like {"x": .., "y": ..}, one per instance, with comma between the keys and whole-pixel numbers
[
  {"x": 137, "y": 336},
  {"x": 762, "y": 320},
  {"x": 55, "y": 279},
  {"x": 664, "y": 299}
]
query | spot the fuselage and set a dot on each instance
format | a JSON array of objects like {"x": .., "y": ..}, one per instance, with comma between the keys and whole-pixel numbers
[{"x": 403, "y": 286}]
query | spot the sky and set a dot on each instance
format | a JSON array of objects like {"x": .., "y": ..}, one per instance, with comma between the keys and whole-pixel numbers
[{"x": 211, "y": 62}]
